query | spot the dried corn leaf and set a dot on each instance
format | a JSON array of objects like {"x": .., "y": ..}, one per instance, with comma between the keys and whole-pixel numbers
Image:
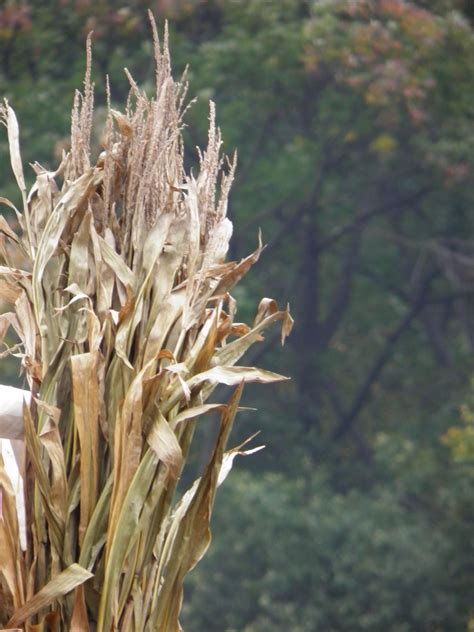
[
  {"x": 11, "y": 566},
  {"x": 196, "y": 411},
  {"x": 14, "y": 145},
  {"x": 165, "y": 444},
  {"x": 84, "y": 369},
  {"x": 50, "y": 438},
  {"x": 124, "y": 536},
  {"x": 189, "y": 534},
  {"x": 61, "y": 585},
  {"x": 79, "y": 619}
]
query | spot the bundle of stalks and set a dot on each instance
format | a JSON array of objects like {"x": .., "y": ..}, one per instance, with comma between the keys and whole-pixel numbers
[{"x": 125, "y": 325}]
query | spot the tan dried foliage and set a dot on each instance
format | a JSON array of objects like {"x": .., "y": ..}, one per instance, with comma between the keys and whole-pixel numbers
[{"x": 123, "y": 310}]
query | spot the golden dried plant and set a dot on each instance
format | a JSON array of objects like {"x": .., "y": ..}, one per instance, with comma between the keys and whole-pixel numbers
[{"x": 126, "y": 323}]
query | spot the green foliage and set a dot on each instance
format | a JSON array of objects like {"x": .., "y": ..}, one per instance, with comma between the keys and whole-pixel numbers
[
  {"x": 460, "y": 438},
  {"x": 344, "y": 562}
]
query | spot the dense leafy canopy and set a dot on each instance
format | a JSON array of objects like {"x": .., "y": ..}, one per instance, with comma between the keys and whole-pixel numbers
[{"x": 353, "y": 121}]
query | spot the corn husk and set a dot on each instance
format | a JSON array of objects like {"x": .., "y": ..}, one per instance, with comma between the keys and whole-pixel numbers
[{"x": 124, "y": 311}]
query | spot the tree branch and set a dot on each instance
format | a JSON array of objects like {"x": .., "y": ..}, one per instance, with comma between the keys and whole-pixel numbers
[
  {"x": 343, "y": 290},
  {"x": 363, "y": 218},
  {"x": 364, "y": 394}
]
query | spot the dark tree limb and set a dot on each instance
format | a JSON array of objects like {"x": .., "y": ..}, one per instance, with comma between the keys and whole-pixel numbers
[
  {"x": 362, "y": 447},
  {"x": 343, "y": 292},
  {"x": 365, "y": 392},
  {"x": 363, "y": 218}
]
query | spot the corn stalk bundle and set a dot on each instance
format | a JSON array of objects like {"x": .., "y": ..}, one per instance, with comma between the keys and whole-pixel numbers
[{"x": 125, "y": 326}]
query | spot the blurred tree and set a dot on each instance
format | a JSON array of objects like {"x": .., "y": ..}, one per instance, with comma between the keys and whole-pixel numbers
[
  {"x": 359, "y": 562},
  {"x": 356, "y": 150}
]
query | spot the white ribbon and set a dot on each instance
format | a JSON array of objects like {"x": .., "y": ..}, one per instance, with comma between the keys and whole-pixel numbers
[
  {"x": 11, "y": 411},
  {"x": 11, "y": 445}
]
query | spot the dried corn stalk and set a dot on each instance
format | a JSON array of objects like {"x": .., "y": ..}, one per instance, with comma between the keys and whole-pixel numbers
[{"x": 126, "y": 326}]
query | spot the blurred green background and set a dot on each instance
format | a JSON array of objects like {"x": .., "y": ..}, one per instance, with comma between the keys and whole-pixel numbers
[{"x": 354, "y": 121}]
